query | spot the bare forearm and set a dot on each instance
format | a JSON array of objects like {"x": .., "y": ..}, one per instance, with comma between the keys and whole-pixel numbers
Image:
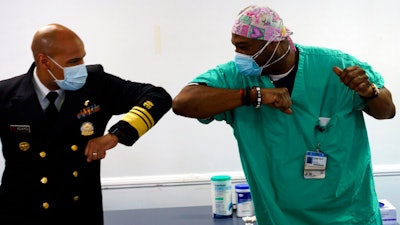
[
  {"x": 381, "y": 107},
  {"x": 199, "y": 101}
]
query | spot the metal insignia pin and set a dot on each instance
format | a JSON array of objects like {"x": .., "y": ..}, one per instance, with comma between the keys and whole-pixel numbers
[
  {"x": 24, "y": 146},
  {"x": 87, "y": 129}
]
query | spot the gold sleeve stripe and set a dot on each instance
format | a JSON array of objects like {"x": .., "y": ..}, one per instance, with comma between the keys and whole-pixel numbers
[{"x": 140, "y": 119}]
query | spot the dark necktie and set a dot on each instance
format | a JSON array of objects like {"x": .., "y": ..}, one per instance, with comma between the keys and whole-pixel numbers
[{"x": 51, "y": 111}]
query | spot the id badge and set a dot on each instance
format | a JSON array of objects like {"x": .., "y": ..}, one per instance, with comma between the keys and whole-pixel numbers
[{"x": 315, "y": 165}]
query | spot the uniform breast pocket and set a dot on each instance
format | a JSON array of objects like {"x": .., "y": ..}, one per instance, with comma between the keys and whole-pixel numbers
[
  {"x": 18, "y": 140},
  {"x": 325, "y": 133}
]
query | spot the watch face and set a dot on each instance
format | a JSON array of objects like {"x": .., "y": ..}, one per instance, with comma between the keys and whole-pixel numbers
[
  {"x": 375, "y": 92},
  {"x": 375, "y": 89}
]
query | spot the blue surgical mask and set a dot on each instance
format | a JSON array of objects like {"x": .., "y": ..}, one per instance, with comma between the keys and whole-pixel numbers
[
  {"x": 247, "y": 64},
  {"x": 74, "y": 76}
]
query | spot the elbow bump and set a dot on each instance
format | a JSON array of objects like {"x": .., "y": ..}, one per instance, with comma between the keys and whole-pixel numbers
[{"x": 176, "y": 106}]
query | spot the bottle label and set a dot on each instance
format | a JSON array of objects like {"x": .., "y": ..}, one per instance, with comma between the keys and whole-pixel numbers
[
  {"x": 222, "y": 199},
  {"x": 244, "y": 204}
]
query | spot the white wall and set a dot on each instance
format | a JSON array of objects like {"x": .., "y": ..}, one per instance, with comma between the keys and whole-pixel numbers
[
  {"x": 168, "y": 42},
  {"x": 194, "y": 189}
]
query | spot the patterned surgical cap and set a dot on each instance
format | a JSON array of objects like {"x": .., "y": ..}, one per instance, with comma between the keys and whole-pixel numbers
[{"x": 260, "y": 23}]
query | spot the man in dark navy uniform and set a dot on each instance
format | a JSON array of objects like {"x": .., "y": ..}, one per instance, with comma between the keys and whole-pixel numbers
[{"x": 52, "y": 146}]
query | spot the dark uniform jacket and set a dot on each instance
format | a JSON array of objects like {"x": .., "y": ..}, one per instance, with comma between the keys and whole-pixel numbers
[{"x": 47, "y": 179}]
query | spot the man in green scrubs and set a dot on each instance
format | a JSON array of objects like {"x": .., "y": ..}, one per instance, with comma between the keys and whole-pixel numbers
[{"x": 297, "y": 115}]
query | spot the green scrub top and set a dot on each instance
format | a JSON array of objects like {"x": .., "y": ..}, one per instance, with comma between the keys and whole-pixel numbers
[{"x": 272, "y": 144}]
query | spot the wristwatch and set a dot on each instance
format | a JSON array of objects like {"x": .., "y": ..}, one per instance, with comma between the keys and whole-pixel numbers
[{"x": 375, "y": 92}]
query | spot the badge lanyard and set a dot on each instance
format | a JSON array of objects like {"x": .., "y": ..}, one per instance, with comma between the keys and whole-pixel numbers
[{"x": 315, "y": 161}]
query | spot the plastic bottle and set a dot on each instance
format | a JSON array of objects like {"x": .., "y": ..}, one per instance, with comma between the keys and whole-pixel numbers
[
  {"x": 221, "y": 194},
  {"x": 244, "y": 202}
]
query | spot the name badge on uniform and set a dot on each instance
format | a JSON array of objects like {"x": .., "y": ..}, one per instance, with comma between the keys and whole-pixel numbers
[
  {"x": 315, "y": 165},
  {"x": 20, "y": 129}
]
